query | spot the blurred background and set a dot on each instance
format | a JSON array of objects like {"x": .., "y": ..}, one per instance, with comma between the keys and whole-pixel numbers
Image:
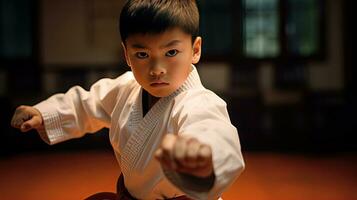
[{"x": 284, "y": 68}]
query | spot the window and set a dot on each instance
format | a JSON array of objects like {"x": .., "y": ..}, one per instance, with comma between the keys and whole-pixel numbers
[
  {"x": 16, "y": 29},
  {"x": 216, "y": 26},
  {"x": 18, "y": 47},
  {"x": 303, "y": 27},
  {"x": 262, "y": 29}
]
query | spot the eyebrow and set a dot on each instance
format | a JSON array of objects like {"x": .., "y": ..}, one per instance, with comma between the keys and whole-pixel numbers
[
  {"x": 138, "y": 46},
  {"x": 169, "y": 44}
]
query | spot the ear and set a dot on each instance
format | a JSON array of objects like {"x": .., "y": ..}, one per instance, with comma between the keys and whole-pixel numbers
[
  {"x": 126, "y": 55},
  {"x": 196, "y": 50}
]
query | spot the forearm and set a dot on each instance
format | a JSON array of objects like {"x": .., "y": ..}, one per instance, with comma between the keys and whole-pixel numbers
[{"x": 71, "y": 115}]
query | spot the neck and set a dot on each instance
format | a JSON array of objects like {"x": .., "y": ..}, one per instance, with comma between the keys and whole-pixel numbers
[{"x": 152, "y": 100}]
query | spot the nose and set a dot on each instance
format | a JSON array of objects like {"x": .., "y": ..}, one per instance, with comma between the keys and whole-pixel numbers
[{"x": 157, "y": 69}]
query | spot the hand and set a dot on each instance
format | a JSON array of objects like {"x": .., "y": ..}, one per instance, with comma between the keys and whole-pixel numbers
[
  {"x": 185, "y": 155},
  {"x": 26, "y": 118}
]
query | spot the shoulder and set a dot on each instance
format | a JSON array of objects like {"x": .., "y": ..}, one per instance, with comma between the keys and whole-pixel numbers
[
  {"x": 199, "y": 97},
  {"x": 126, "y": 79},
  {"x": 199, "y": 100},
  {"x": 123, "y": 81},
  {"x": 107, "y": 89}
]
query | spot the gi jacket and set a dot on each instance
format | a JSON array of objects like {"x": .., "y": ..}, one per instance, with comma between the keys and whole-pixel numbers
[{"x": 116, "y": 104}]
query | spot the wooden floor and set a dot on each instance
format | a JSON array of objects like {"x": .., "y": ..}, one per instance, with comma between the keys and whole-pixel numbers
[{"x": 268, "y": 176}]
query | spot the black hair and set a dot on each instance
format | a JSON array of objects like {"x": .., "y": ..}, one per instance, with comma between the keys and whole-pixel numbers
[{"x": 157, "y": 16}]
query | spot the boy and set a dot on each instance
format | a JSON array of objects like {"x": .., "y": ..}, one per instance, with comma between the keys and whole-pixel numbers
[{"x": 171, "y": 136}]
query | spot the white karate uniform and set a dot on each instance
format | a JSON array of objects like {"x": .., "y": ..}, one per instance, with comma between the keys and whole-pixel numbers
[{"x": 117, "y": 104}]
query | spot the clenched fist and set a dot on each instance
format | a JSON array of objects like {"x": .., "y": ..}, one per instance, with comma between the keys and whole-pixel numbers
[
  {"x": 26, "y": 118},
  {"x": 185, "y": 155}
]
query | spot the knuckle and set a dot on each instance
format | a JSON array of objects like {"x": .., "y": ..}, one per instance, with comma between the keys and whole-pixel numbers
[
  {"x": 165, "y": 147},
  {"x": 179, "y": 157},
  {"x": 191, "y": 154},
  {"x": 21, "y": 108}
]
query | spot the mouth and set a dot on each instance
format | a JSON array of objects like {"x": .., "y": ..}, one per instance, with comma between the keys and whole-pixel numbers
[{"x": 158, "y": 84}]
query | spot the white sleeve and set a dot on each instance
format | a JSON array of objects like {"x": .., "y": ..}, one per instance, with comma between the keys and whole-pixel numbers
[
  {"x": 205, "y": 117},
  {"x": 76, "y": 112}
]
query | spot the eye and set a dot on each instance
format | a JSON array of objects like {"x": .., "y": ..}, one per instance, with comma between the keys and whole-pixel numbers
[
  {"x": 141, "y": 55},
  {"x": 172, "y": 53}
]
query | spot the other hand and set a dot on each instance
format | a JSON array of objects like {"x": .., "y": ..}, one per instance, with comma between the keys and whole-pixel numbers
[
  {"x": 185, "y": 155},
  {"x": 26, "y": 118}
]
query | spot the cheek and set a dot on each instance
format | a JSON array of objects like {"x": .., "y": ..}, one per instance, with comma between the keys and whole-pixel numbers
[
  {"x": 183, "y": 59},
  {"x": 138, "y": 73},
  {"x": 138, "y": 66},
  {"x": 181, "y": 70}
]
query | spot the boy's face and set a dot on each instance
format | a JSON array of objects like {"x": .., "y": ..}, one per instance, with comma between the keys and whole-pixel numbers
[{"x": 161, "y": 62}]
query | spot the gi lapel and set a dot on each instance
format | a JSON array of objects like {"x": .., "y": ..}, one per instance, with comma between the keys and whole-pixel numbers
[{"x": 149, "y": 127}]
